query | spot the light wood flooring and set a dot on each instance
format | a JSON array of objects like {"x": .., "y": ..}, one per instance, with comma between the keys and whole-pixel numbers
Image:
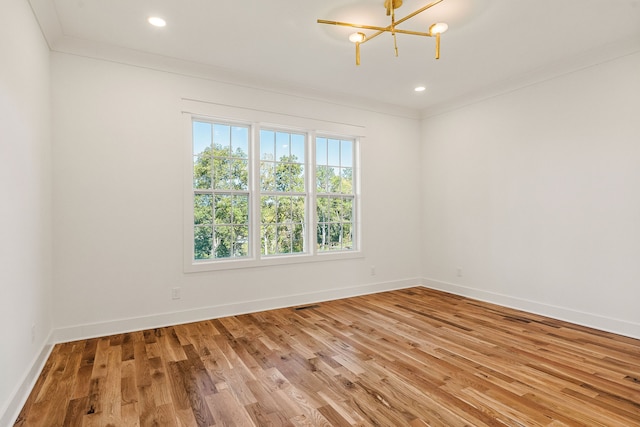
[{"x": 413, "y": 357}]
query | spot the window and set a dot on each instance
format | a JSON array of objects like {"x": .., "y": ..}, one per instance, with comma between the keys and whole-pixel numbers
[
  {"x": 335, "y": 194},
  {"x": 283, "y": 196},
  {"x": 220, "y": 191},
  {"x": 270, "y": 193}
]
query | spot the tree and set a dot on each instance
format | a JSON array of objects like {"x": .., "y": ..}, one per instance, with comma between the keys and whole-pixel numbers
[
  {"x": 282, "y": 212},
  {"x": 221, "y": 219}
]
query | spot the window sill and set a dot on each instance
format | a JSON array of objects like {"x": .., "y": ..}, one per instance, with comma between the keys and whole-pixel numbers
[{"x": 233, "y": 264}]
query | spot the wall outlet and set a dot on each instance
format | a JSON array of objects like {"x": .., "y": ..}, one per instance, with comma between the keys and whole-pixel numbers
[
  {"x": 459, "y": 272},
  {"x": 175, "y": 293},
  {"x": 373, "y": 270},
  {"x": 33, "y": 333}
]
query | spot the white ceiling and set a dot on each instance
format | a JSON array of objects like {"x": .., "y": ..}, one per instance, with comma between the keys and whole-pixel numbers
[{"x": 491, "y": 46}]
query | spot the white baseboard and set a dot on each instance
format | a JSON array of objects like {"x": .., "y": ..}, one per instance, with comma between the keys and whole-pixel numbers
[
  {"x": 10, "y": 411},
  {"x": 595, "y": 321},
  {"x": 73, "y": 333}
]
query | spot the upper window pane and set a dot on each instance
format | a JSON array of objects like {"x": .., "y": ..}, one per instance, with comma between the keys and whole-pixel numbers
[
  {"x": 346, "y": 154},
  {"x": 201, "y": 137},
  {"x": 333, "y": 152},
  {"x": 267, "y": 145},
  {"x": 282, "y": 158},
  {"x": 283, "y": 146},
  {"x": 297, "y": 148},
  {"x": 321, "y": 151},
  {"x": 240, "y": 142}
]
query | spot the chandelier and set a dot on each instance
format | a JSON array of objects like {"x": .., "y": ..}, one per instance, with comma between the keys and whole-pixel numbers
[{"x": 391, "y": 5}]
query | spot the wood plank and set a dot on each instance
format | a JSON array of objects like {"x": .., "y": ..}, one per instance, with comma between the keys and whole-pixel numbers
[{"x": 413, "y": 357}]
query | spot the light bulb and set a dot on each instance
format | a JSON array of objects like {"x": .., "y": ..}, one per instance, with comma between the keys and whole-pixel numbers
[
  {"x": 438, "y": 28},
  {"x": 357, "y": 37}
]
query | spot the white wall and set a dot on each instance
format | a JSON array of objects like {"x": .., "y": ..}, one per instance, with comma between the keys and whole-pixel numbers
[
  {"x": 119, "y": 144},
  {"x": 535, "y": 195},
  {"x": 25, "y": 206}
]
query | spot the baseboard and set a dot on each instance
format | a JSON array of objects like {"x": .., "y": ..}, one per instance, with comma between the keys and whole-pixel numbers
[
  {"x": 9, "y": 413},
  {"x": 73, "y": 333},
  {"x": 616, "y": 326}
]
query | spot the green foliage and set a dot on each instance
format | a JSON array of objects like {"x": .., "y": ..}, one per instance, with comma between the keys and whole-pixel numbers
[
  {"x": 335, "y": 223},
  {"x": 334, "y": 212},
  {"x": 222, "y": 219},
  {"x": 282, "y": 216}
]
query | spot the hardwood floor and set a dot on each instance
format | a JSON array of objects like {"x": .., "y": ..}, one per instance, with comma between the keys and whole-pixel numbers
[{"x": 413, "y": 357}]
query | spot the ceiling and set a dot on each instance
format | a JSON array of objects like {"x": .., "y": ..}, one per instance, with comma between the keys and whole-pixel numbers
[{"x": 491, "y": 46}]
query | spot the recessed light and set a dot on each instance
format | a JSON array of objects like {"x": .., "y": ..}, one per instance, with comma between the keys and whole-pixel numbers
[
  {"x": 420, "y": 89},
  {"x": 157, "y": 22}
]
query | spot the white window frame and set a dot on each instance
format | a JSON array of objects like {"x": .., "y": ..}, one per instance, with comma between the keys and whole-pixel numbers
[
  {"x": 255, "y": 258},
  {"x": 256, "y": 118}
]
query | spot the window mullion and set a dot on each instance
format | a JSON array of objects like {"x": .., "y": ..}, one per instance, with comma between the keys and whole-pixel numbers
[
  {"x": 254, "y": 212},
  {"x": 312, "y": 203}
]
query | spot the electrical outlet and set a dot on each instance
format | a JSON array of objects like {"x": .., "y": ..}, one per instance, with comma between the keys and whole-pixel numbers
[
  {"x": 459, "y": 272},
  {"x": 33, "y": 333},
  {"x": 373, "y": 270},
  {"x": 175, "y": 293}
]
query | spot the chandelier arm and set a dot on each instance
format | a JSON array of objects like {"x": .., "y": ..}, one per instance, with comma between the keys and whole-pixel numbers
[
  {"x": 422, "y": 9},
  {"x": 393, "y": 30},
  {"x": 379, "y": 30}
]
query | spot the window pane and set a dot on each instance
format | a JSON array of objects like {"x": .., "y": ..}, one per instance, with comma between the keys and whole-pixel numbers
[
  {"x": 322, "y": 179},
  {"x": 346, "y": 186},
  {"x": 334, "y": 181},
  {"x": 239, "y": 174},
  {"x": 335, "y": 236},
  {"x": 222, "y": 139},
  {"x": 298, "y": 179},
  {"x": 297, "y": 209},
  {"x": 222, "y": 209},
  {"x": 201, "y": 137},
  {"x": 267, "y": 145},
  {"x": 346, "y": 157},
  {"x": 347, "y": 238},
  {"x": 202, "y": 171},
  {"x": 221, "y": 174},
  {"x": 283, "y": 148},
  {"x": 222, "y": 241},
  {"x": 268, "y": 206},
  {"x": 267, "y": 176},
  {"x": 335, "y": 210},
  {"x": 284, "y": 210},
  {"x": 241, "y": 209},
  {"x": 284, "y": 239},
  {"x": 322, "y": 208},
  {"x": 268, "y": 239},
  {"x": 240, "y": 142},
  {"x": 333, "y": 152},
  {"x": 321, "y": 151},
  {"x": 202, "y": 209},
  {"x": 241, "y": 241},
  {"x": 297, "y": 238},
  {"x": 323, "y": 236},
  {"x": 297, "y": 148},
  {"x": 202, "y": 242},
  {"x": 347, "y": 210}
]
